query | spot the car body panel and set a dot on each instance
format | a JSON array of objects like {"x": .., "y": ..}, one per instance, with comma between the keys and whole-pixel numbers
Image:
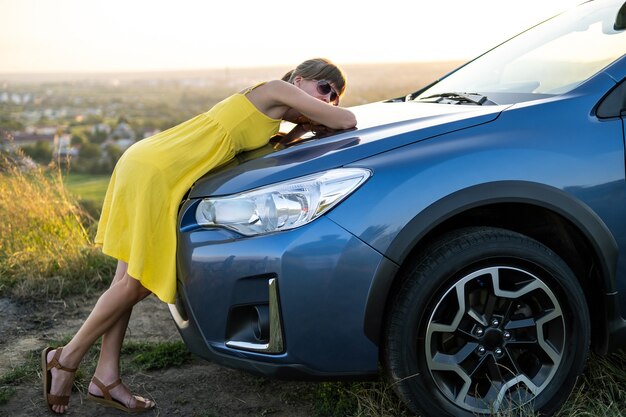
[
  {"x": 464, "y": 159},
  {"x": 318, "y": 308},
  {"x": 345, "y": 147}
]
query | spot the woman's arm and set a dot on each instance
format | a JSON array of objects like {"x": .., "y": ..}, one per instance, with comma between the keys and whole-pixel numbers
[{"x": 276, "y": 98}]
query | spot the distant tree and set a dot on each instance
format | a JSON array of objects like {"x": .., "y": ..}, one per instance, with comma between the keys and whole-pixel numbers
[
  {"x": 92, "y": 119},
  {"x": 99, "y": 136},
  {"x": 79, "y": 139},
  {"x": 7, "y": 123},
  {"x": 90, "y": 151},
  {"x": 40, "y": 151},
  {"x": 112, "y": 154},
  {"x": 43, "y": 120}
]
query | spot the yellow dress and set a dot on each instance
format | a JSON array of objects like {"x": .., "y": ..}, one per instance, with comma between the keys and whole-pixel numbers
[{"x": 138, "y": 220}]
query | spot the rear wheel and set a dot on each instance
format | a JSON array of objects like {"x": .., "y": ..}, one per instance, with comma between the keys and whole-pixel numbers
[{"x": 486, "y": 320}]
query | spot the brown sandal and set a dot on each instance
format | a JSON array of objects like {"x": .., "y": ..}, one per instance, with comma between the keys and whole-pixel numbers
[
  {"x": 108, "y": 401},
  {"x": 46, "y": 366}
]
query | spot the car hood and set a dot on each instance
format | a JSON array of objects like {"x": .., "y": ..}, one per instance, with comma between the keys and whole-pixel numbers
[{"x": 381, "y": 127}]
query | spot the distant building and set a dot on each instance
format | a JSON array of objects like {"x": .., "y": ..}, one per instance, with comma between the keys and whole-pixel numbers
[
  {"x": 30, "y": 136},
  {"x": 42, "y": 130},
  {"x": 101, "y": 128},
  {"x": 122, "y": 132},
  {"x": 17, "y": 98},
  {"x": 63, "y": 146},
  {"x": 123, "y": 144},
  {"x": 122, "y": 135}
]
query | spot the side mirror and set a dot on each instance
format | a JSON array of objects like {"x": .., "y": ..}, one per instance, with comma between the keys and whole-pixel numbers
[{"x": 620, "y": 19}]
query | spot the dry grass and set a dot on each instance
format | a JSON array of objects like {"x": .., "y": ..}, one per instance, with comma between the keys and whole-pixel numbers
[
  {"x": 45, "y": 244},
  {"x": 600, "y": 391},
  {"x": 359, "y": 399}
]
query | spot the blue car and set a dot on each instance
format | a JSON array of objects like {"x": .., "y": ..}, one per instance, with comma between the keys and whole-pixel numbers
[{"x": 467, "y": 239}]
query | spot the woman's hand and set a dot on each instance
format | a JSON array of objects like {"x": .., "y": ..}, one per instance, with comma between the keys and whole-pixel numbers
[
  {"x": 310, "y": 126},
  {"x": 292, "y": 136}
]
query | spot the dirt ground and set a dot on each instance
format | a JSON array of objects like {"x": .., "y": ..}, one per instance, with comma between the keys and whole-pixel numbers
[{"x": 198, "y": 389}]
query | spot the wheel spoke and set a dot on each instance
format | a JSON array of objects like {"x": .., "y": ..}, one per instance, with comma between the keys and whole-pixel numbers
[
  {"x": 548, "y": 347},
  {"x": 459, "y": 297},
  {"x": 520, "y": 380},
  {"x": 446, "y": 362},
  {"x": 479, "y": 318},
  {"x": 490, "y": 305},
  {"x": 521, "y": 324}
]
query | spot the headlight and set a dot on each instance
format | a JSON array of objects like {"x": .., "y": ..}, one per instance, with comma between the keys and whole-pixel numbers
[{"x": 281, "y": 206}]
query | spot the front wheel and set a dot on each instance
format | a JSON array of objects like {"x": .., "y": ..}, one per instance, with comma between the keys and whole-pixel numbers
[{"x": 487, "y": 320}]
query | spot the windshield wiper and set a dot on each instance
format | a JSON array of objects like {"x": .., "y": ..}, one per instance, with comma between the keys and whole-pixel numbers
[{"x": 471, "y": 98}]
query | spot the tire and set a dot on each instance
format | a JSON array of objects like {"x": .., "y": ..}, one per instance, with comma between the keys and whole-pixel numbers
[{"x": 486, "y": 321}]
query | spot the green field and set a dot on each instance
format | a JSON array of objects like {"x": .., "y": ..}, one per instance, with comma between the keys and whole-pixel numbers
[{"x": 87, "y": 186}]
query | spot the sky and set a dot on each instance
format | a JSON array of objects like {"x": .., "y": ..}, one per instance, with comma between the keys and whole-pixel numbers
[{"x": 42, "y": 36}]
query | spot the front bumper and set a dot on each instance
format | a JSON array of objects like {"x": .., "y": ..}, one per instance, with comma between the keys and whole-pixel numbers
[{"x": 315, "y": 281}]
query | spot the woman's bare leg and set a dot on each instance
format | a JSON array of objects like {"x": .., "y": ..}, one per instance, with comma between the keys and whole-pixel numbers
[
  {"x": 109, "y": 360},
  {"x": 108, "y": 368},
  {"x": 113, "y": 306}
]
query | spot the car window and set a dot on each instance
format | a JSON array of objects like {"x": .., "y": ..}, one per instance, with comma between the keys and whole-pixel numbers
[{"x": 551, "y": 58}]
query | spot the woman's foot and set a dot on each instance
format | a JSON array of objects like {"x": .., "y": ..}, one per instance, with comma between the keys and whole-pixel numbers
[
  {"x": 57, "y": 380},
  {"x": 117, "y": 395}
]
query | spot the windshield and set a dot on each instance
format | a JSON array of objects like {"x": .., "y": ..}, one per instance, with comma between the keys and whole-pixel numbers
[{"x": 551, "y": 58}]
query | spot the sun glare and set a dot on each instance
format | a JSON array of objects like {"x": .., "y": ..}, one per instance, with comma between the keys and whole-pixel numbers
[{"x": 120, "y": 35}]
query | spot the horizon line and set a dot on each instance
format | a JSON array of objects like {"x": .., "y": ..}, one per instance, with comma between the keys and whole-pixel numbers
[{"x": 212, "y": 68}]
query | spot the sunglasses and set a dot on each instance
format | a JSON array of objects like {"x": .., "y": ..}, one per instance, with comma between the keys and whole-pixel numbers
[{"x": 324, "y": 87}]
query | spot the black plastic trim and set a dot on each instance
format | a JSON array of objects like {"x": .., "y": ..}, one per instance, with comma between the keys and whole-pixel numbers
[
  {"x": 196, "y": 344},
  {"x": 541, "y": 195},
  {"x": 377, "y": 297},
  {"x": 614, "y": 103}
]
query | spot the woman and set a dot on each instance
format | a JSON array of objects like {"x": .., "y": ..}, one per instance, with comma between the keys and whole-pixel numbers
[{"x": 138, "y": 221}]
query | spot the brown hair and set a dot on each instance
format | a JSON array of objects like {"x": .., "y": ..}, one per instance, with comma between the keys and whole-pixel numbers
[{"x": 319, "y": 69}]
